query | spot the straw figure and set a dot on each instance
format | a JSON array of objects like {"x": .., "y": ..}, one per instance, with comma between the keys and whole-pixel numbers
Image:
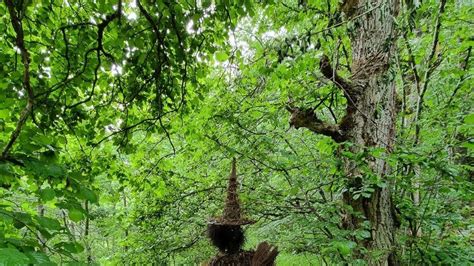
[{"x": 227, "y": 235}]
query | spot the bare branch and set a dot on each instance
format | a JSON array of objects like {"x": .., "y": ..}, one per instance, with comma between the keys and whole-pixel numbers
[{"x": 307, "y": 118}]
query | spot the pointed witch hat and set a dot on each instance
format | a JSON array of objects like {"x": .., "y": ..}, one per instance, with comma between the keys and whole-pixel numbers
[{"x": 232, "y": 214}]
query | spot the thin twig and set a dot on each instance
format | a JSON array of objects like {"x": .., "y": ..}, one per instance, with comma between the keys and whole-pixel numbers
[
  {"x": 462, "y": 78},
  {"x": 429, "y": 71}
]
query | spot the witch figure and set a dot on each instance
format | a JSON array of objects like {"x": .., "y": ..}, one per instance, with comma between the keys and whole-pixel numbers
[{"x": 227, "y": 235}]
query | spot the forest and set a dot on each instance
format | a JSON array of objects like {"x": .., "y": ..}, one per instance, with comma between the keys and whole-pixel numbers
[{"x": 205, "y": 132}]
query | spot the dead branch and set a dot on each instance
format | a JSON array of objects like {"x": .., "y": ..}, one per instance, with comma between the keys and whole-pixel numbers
[{"x": 301, "y": 117}]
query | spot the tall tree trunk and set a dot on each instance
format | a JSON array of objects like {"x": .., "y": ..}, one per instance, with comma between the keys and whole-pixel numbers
[
  {"x": 369, "y": 121},
  {"x": 373, "y": 118}
]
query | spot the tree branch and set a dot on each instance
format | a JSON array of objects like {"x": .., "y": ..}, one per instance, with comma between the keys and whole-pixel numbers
[
  {"x": 303, "y": 117},
  {"x": 429, "y": 71},
  {"x": 307, "y": 118},
  {"x": 100, "y": 48},
  {"x": 12, "y": 160},
  {"x": 464, "y": 67},
  {"x": 20, "y": 43},
  {"x": 101, "y": 28},
  {"x": 412, "y": 62},
  {"x": 331, "y": 74}
]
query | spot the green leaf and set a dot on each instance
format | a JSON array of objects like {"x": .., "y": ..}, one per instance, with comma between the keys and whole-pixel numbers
[
  {"x": 53, "y": 170},
  {"x": 49, "y": 223},
  {"x": 6, "y": 174},
  {"x": 344, "y": 247},
  {"x": 469, "y": 119},
  {"x": 38, "y": 258},
  {"x": 47, "y": 194},
  {"x": 363, "y": 234},
  {"x": 88, "y": 195},
  {"x": 469, "y": 145},
  {"x": 294, "y": 191},
  {"x": 6, "y": 216},
  {"x": 42, "y": 140},
  {"x": 4, "y": 113},
  {"x": 6, "y": 169},
  {"x": 12, "y": 256},
  {"x": 221, "y": 56},
  {"x": 76, "y": 215},
  {"x": 71, "y": 248},
  {"x": 21, "y": 219}
]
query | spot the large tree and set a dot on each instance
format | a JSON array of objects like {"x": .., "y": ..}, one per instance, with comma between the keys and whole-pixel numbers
[{"x": 369, "y": 120}]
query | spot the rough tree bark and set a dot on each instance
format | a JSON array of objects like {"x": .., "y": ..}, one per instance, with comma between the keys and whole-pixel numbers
[{"x": 369, "y": 120}]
